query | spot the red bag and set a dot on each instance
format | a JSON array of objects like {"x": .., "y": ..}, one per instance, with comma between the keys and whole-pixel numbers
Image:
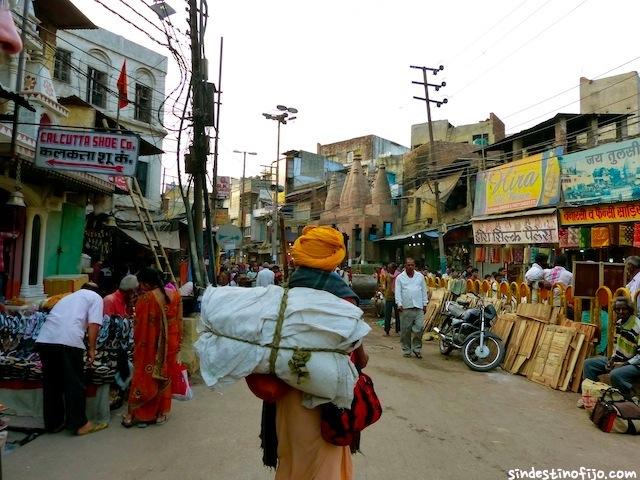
[
  {"x": 339, "y": 425},
  {"x": 180, "y": 388},
  {"x": 266, "y": 387}
]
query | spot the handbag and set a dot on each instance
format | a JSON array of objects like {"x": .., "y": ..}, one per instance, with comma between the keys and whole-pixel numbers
[
  {"x": 614, "y": 414},
  {"x": 339, "y": 426},
  {"x": 591, "y": 392},
  {"x": 180, "y": 388}
]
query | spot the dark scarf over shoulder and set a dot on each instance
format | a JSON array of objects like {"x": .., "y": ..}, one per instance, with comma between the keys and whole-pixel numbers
[
  {"x": 322, "y": 280},
  {"x": 318, "y": 280}
]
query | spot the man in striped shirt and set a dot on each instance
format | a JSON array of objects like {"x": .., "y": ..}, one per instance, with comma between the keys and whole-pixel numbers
[{"x": 624, "y": 364}]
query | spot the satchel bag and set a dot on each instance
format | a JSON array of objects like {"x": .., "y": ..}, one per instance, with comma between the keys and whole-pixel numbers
[
  {"x": 614, "y": 414},
  {"x": 339, "y": 425},
  {"x": 591, "y": 392}
]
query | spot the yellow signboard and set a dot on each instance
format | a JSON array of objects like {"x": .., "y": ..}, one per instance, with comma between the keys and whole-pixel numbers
[
  {"x": 606, "y": 213},
  {"x": 528, "y": 183}
]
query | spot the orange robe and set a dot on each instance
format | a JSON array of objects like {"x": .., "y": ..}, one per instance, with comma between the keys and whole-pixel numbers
[
  {"x": 156, "y": 345},
  {"x": 302, "y": 452}
]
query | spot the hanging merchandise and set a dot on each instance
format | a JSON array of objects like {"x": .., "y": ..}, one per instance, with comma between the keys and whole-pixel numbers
[
  {"x": 563, "y": 237},
  {"x": 527, "y": 254},
  {"x": 496, "y": 256},
  {"x": 625, "y": 235},
  {"x": 480, "y": 254},
  {"x": 600, "y": 237},
  {"x": 573, "y": 240},
  {"x": 636, "y": 235},
  {"x": 585, "y": 237},
  {"x": 518, "y": 255},
  {"x": 507, "y": 255}
]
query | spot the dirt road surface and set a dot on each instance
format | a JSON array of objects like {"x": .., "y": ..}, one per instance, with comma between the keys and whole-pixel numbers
[{"x": 441, "y": 421}]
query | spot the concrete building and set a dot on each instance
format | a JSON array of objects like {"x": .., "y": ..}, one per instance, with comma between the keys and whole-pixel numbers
[
  {"x": 617, "y": 94},
  {"x": 46, "y": 237},
  {"x": 86, "y": 66},
  {"x": 491, "y": 130},
  {"x": 369, "y": 147}
]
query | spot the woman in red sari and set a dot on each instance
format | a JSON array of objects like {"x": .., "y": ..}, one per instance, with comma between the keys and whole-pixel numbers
[{"x": 157, "y": 336}]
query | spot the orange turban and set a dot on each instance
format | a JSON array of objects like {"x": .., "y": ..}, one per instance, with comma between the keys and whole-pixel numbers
[{"x": 319, "y": 247}]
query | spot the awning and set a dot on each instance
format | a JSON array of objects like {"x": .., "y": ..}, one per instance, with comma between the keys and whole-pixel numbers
[
  {"x": 525, "y": 213},
  {"x": 433, "y": 233},
  {"x": 169, "y": 240}
]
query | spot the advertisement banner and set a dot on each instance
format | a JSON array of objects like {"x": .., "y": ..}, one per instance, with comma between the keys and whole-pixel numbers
[
  {"x": 223, "y": 187},
  {"x": 87, "y": 151},
  {"x": 604, "y": 174},
  {"x": 528, "y": 183},
  {"x": 519, "y": 230},
  {"x": 623, "y": 212}
]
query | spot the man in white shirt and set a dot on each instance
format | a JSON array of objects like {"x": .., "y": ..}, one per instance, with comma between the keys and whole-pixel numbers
[
  {"x": 61, "y": 348},
  {"x": 265, "y": 276},
  {"x": 535, "y": 275},
  {"x": 633, "y": 269},
  {"x": 411, "y": 298}
]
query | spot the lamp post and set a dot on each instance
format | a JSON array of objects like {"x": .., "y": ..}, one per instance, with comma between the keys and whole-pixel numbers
[
  {"x": 242, "y": 199},
  {"x": 282, "y": 119}
]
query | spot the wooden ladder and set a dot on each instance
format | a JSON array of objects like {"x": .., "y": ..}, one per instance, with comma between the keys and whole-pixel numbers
[{"x": 155, "y": 245}]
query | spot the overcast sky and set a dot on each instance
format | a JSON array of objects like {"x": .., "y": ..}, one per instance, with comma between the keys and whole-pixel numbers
[{"x": 344, "y": 64}]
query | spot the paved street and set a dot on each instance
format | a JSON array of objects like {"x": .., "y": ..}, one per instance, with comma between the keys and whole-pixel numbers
[{"x": 441, "y": 421}]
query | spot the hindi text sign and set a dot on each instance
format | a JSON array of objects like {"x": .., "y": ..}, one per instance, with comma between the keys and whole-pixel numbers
[
  {"x": 87, "y": 151},
  {"x": 606, "y": 213},
  {"x": 530, "y": 229}
]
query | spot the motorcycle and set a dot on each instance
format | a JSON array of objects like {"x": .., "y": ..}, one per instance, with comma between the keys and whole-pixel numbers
[{"x": 467, "y": 329}]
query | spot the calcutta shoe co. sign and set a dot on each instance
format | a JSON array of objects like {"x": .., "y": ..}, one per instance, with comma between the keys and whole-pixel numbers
[{"x": 87, "y": 151}]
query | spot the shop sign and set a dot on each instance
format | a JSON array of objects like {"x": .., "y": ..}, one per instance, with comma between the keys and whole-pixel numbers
[
  {"x": 223, "y": 187},
  {"x": 87, "y": 151},
  {"x": 528, "y": 183},
  {"x": 229, "y": 236},
  {"x": 119, "y": 181},
  {"x": 604, "y": 174},
  {"x": 517, "y": 230},
  {"x": 221, "y": 216},
  {"x": 608, "y": 213}
]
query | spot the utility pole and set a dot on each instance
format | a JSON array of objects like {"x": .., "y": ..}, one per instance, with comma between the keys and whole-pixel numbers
[
  {"x": 282, "y": 120},
  {"x": 199, "y": 155},
  {"x": 242, "y": 199},
  {"x": 432, "y": 150}
]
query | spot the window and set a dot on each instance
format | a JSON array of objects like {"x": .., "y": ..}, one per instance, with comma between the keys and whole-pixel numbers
[
  {"x": 62, "y": 66},
  {"x": 481, "y": 138},
  {"x": 96, "y": 87},
  {"x": 388, "y": 229},
  {"x": 142, "y": 172},
  {"x": 143, "y": 103},
  {"x": 418, "y": 208}
]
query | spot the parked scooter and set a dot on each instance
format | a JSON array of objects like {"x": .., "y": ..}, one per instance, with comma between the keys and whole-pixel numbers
[{"x": 468, "y": 329}]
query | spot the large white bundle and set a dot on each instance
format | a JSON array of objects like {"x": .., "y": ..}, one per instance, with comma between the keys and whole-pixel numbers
[{"x": 313, "y": 319}]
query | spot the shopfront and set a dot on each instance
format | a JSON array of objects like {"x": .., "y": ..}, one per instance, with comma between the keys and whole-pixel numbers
[
  {"x": 515, "y": 215},
  {"x": 601, "y": 190}
]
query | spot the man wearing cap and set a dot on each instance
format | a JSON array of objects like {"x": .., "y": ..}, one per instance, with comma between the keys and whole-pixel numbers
[
  {"x": 265, "y": 276},
  {"x": 118, "y": 303}
]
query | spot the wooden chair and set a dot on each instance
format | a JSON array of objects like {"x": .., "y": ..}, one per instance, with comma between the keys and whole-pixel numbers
[
  {"x": 622, "y": 292},
  {"x": 544, "y": 295},
  {"x": 437, "y": 282},
  {"x": 515, "y": 292},
  {"x": 430, "y": 282},
  {"x": 485, "y": 288},
  {"x": 604, "y": 300},
  {"x": 524, "y": 293},
  {"x": 470, "y": 286},
  {"x": 635, "y": 300},
  {"x": 504, "y": 291},
  {"x": 477, "y": 284},
  {"x": 562, "y": 293}
]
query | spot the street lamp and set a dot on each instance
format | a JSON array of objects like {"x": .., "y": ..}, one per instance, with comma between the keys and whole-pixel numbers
[
  {"x": 242, "y": 199},
  {"x": 282, "y": 119}
]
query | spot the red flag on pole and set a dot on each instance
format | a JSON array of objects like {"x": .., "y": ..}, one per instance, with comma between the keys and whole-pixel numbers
[{"x": 123, "y": 99}]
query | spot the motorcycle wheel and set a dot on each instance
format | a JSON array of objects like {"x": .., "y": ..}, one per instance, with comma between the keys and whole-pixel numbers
[
  {"x": 495, "y": 353},
  {"x": 445, "y": 347}
]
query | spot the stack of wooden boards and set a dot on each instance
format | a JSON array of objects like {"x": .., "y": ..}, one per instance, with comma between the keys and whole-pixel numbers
[
  {"x": 437, "y": 302},
  {"x": 544, "y": 346}
]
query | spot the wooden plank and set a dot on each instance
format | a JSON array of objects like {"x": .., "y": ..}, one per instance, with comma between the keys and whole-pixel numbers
[
  {"x": 536, "y": 370},
  {"x": 514, "y": 344},
  {"x": 576, "y": 346}
]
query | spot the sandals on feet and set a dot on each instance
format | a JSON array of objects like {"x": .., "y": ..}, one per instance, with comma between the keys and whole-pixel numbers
[{"x": 96, "y": 427}]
